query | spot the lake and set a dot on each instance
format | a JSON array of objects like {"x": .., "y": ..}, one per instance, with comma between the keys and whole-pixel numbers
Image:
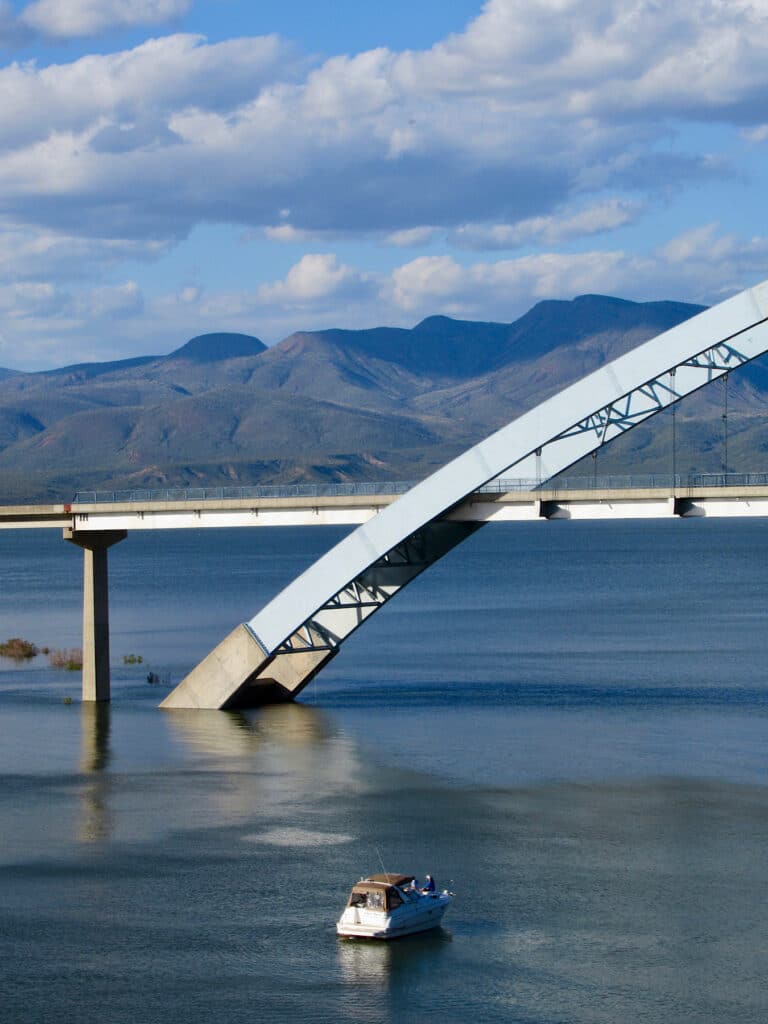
[{"x": 566, "y": 723}]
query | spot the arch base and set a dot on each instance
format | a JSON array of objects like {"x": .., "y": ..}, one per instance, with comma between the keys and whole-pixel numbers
[{"x": 239, "y": 673}]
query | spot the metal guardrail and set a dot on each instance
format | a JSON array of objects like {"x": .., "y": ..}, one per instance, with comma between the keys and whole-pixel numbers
[
  {"x": 661, "y": 481},
  {"x": 365, "y": 489},
  {"x": 375, "y": 488}
]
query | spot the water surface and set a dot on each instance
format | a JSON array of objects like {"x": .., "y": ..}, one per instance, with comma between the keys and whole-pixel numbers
[{"x": 564, "y": 722}]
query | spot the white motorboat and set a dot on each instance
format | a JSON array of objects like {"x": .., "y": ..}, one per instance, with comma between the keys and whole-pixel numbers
[{"x": 387, "y": 906}]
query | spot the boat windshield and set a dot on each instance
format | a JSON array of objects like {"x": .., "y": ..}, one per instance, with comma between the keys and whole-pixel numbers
[{"x": 372, "y": 896}]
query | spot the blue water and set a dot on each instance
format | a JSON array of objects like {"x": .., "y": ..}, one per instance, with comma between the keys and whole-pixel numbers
[{"x": 566, "y": 722}]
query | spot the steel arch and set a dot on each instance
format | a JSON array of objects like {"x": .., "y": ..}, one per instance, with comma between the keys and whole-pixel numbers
[{"x": 276, "y": 653}]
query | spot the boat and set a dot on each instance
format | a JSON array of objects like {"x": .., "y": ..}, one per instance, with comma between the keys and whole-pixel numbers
[{"x": 387, "y": 906}]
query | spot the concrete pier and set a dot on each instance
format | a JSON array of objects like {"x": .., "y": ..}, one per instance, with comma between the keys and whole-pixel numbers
[
  {"x": 95, "y": 609},
  {"x": 239, "y": 673}
]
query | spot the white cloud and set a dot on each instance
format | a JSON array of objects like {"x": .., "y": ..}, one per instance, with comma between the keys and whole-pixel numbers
[
  {"x": 29, "y": 253},
  {"x": 510, "y": 134},
  {"x": 68, "y": 19},
  {"x": 110, "y": 302},
  {"x": 551, "y": 230},
  {"x": 31, "y": 299},
  {"x": 502, "y": 289},
  {"x": 699, "y": 266},
  {"x": 285, "y": 233},
  {"x": 428, "y": 279},
  {"x": 38, "y": 299},
  {"x": 501, "y": 125},
  {"x": 758, "y": 134},
  {"x": 410, "y": 237},
  {"x": 135, "y": 90},
  {"x": 315, "y": 277}
]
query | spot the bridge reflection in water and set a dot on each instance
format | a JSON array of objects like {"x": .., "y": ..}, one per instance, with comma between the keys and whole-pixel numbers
[
  {"x": 262, "y": 761},
  {"x": 96, "y": 823}
]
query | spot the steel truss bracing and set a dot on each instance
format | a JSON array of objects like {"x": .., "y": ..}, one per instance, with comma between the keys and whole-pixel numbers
[
  {"x": 349, "y": 607},
  {"x": 297, "y": 632},
  {"x": 650, "y": 398},
  {"x": 663, "y": 390}
]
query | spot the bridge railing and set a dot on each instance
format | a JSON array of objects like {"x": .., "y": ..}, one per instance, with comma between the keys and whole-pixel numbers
[
  {"x": 341, "y": 490},
  {"x": 660, "y": 481},
  {"x": 594, "y": 482}
]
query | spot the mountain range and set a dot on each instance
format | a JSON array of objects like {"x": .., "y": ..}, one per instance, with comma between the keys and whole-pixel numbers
[{"x": 338, "y": 405}]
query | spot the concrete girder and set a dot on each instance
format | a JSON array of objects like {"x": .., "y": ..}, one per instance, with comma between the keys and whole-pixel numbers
[{"x": 539, "y": 444}]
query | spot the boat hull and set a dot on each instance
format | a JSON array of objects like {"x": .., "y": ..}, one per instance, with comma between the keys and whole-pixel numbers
[{"x": 407, "y": 920}]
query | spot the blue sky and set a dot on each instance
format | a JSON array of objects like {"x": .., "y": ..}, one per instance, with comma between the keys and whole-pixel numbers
[{"x": 171, "y": 167}]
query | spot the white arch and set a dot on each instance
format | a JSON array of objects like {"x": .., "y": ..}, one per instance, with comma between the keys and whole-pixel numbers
[{"x": 282, "y": 647}]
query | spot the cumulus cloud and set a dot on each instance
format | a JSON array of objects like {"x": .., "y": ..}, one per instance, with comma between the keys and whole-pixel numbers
[
  {"x": 503, "y": 124},
  {"x": 285, "y": 233},
  {"x": 411, "y": 237},
  {"x": 317, "y": 276},
  {"x": 543, "y": 125},
  {"x": 69, "y": 19},
  {"x": 135, "y": 90},
  {"x": 550, "y": 230},
  {"x": 110, "y": 302},
  {"x": 31, "y": 299},
  {"x": 703, "y": 265},
  {"x": 29, "y": 253},
  {"x": 757, "y": 134},
  {"x": 36, "y": 299},
  {"x": 502, "y": 288}
]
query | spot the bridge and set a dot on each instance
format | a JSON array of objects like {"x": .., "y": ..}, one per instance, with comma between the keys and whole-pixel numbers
[
  {"x": 645, "y": 496},
  {"x": 277, "y": 652},
  {"x": 96, "y": 525}
]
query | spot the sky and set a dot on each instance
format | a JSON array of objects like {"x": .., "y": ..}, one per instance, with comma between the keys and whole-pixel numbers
[{"x": 174, "y": 167}]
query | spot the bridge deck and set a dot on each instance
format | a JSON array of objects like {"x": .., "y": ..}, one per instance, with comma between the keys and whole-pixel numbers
[{"x": 551, "y": 503}]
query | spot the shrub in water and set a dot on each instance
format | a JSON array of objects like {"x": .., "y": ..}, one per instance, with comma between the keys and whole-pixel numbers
[
  {"x": 18, "y": 649},
  {"x": 70, "y": 658}
]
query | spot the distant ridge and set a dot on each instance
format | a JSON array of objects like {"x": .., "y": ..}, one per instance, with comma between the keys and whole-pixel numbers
[
  {"x": 442, "y": 346},
  {"x": 212, "y": 348},
  {"x": 387, "y": 403},
  {"x": 86, "y": 371}
]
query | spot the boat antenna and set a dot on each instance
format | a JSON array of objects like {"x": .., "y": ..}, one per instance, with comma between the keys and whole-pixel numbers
[{"x": 381, "y": 861}]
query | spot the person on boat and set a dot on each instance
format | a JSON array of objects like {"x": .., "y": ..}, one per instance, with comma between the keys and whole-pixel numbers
[{"x": 429, "y": 885}]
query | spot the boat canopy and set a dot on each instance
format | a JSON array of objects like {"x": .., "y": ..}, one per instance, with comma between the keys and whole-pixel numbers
[
  {"x": 391, "y": 879},
  {"x": 379, "y": 892}
]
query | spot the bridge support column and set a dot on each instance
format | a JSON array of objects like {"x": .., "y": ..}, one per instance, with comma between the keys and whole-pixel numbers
[{"x": 95, "y": 609}]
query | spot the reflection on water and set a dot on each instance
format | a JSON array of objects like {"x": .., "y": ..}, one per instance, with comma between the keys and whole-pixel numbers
[
  {"x": 233, "y": 734},
  {"x": 375, "y": 974},
  {"x": 375, "y": 963},
  {"x": 94, "y": 744},
  {"x": 365, "y": 963},
  {"x": 264, "y": 767},
  {"x": 278, "y": 756},
  {"x": 96, "y": 823}
]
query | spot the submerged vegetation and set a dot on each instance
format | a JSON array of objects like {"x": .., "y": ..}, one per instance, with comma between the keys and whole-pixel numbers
[
  {"x": 69, "y": 658},
  {"x": 18, "y": 649}
]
